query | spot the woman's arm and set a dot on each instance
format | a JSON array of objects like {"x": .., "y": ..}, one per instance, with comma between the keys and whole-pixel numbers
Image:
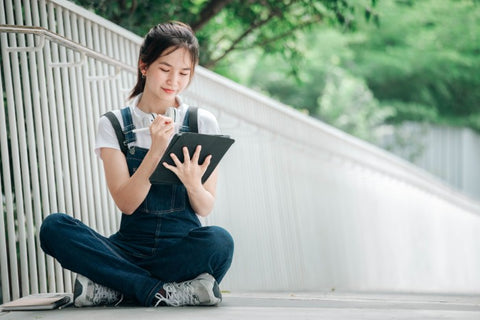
[{"x": 127, "y": 191}]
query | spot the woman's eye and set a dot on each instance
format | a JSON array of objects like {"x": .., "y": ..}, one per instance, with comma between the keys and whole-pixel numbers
[
  {"x": 183, "y": 74},
  {"x": 164, "y": 70}
]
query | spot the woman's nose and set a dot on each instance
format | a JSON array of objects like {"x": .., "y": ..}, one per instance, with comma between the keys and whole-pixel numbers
[{"x": 172, "y": 78}]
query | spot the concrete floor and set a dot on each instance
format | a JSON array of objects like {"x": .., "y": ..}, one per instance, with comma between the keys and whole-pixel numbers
[{"x": 254, "y": 306}]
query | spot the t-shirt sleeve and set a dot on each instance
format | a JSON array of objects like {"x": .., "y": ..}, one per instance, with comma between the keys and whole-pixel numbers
[
  {"x": 207, "y": 123},
  {"x": 106, "y": 137}
]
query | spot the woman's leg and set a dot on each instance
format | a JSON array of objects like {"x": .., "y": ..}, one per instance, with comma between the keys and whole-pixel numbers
[
  {"x": 204, "y": 250},
  {"x": 82, "y": 250}
]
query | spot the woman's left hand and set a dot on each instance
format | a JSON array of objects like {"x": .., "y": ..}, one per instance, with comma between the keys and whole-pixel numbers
[{"x": 190, "y": 172}]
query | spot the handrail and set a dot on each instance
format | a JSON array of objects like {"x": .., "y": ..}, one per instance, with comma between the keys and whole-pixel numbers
[
  {"x": 43, "y": 32},
  {"x": 96, "y": 19}
]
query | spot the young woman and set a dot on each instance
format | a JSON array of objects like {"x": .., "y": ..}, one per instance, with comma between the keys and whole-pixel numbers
[{"x": 161, "y": 255}]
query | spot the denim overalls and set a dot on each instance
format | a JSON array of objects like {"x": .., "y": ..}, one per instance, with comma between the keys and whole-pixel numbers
[
  {"x": 163, "y": 217},
  {"x": 162, "y": 241}
]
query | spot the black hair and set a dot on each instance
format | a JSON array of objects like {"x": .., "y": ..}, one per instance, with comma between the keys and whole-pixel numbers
[{"x": 172, "y": 34}]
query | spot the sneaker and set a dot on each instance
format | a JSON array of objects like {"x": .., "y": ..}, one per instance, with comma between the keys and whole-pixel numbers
[
  {"x": 87, "y": 293},
  {"x": 201, "y": 291}
]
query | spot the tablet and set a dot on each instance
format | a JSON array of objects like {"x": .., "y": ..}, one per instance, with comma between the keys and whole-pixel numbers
[{"x": 215, "y": 145}]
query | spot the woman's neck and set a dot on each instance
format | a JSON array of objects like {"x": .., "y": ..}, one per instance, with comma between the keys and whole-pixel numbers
[{"x": 149, "y": 104}]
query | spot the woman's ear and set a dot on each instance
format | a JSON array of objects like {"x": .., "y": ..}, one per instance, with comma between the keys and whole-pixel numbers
[{"x": 142, "y": 66}]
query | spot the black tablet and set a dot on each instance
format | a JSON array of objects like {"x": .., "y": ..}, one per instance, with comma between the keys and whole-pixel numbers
[{"x": 215, "y": 145}]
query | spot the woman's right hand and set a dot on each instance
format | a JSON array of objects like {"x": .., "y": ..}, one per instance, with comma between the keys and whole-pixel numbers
[{"x": 161, "y": 130}]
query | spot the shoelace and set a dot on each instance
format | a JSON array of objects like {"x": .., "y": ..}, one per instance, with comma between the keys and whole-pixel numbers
[
  {"x": 104, "y": 295},
  {"x": 178, "y": 294}
]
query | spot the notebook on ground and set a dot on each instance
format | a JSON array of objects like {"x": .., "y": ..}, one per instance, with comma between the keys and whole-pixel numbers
[
  {"x": 215, "y": 145},
  {"x": 39, "y": 301}
]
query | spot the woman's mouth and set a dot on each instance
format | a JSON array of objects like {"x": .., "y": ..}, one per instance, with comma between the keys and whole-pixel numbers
[{"x": 169, "y": 91}]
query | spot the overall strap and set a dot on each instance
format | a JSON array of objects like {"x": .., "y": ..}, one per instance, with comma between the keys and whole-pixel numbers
[
  {"x": 191, "y": 119},
  {"x": 127, "y": 136},
  {"x": 128, "y": 127},
  {"x": 118, "y": 130}
]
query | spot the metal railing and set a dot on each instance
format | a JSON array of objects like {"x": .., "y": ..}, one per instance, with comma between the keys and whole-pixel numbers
[
  {"x": 58, "y": 77},
  {"x": 310, "y": 207}
]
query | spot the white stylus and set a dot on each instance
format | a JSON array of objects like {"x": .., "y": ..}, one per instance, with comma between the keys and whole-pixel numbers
[
  {"x": 171, "y": 113},
  {"x": 140, "y": 130}
]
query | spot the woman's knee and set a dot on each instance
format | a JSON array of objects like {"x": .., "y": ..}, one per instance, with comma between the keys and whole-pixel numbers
[
  {"x": 52, "y": 222},
  {"x": 221, "y": 247},
  {"x": 50, "y": 229},
  {"x": 221, "y": 240}
]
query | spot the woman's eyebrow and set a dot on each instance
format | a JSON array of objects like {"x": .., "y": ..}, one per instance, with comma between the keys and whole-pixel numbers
[{"x": 169, "y": 65}]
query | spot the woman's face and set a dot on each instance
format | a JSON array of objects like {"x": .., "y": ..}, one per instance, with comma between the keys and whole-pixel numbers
[{"x": 167, "y": 76}]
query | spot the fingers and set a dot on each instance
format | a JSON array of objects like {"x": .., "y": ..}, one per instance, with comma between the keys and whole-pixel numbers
[
  {"x": 190, "y": 170},
  {"x": 206, "y": 163},
  {"x": 186, "y": 155},
  {"x": 176, "y": 160},
  {"x": 194, "y": 160},
  {"x": 160, "y": 118},
  {"x": 162, "y": 123},
  {"x": 171, "y": 168},
  {"x": 196, "y": 154}
]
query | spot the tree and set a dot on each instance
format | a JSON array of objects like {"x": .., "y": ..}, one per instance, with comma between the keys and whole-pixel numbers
[
  {"x": 348, "y": 104},
  {"x": 420, "y": 61},
  {"x": 424, "y": 60},
  {"x": 225, "y": 26}
]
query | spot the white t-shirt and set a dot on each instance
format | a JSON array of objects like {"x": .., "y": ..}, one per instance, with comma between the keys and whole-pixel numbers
[{"x": 106, "y": 138}]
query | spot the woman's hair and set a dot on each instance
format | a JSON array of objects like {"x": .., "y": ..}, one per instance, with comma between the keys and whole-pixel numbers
[{"x": 161, "y": 37}]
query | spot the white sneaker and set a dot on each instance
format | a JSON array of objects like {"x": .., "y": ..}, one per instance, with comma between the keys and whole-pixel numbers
[
  {"x": 87, "y": 293},
  {"x": 201, "y": 291}
]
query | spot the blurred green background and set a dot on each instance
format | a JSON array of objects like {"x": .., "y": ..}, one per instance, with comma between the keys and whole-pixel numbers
[{"x": 358, "y": 65}]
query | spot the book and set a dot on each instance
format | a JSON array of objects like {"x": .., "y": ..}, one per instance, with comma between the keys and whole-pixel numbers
[
  {"x": 39, "y": 301},
  {"x": 215, "y": 145}
]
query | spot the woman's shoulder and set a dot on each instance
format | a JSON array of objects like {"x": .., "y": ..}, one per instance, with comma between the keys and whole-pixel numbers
[
  {"x": 106, "y": 136},
  {"x": 206, "y": 115},
  {"x": 207, "y": 122},
  {"x": 105, "y": 121}
]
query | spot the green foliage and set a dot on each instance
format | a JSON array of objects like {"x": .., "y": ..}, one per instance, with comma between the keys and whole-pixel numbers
[
  {"x": 424, "y": 56},
  {"x": 226, "y": 26},
  {"x": 139, "y": 16},
  {"x": 411, "y": 111},
  {"x": 419, "y": 58},
  {"x": 348, "y": 104},
  {"x": 270, "y": 25},
  {"x": 272, "y": 73}
]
